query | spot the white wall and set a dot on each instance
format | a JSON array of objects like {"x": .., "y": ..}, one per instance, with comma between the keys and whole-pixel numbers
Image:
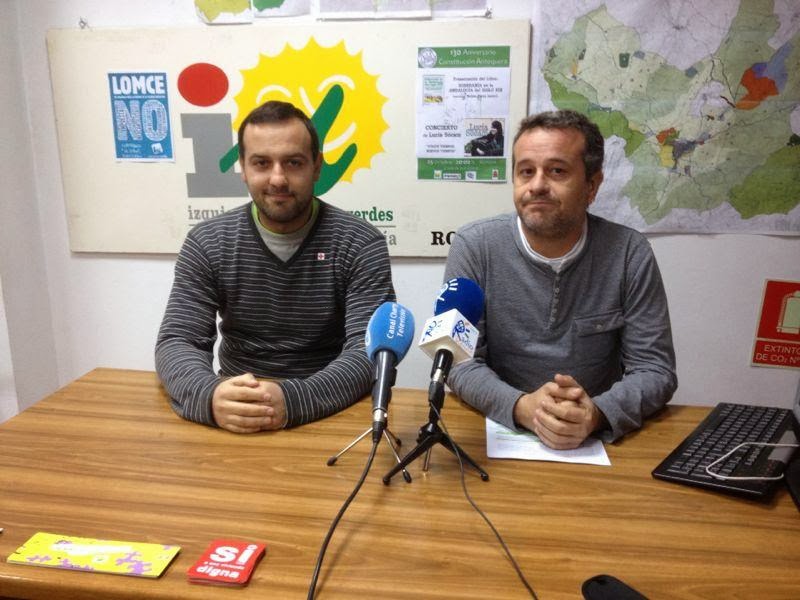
[
  {"x": 8, "y": 390},
  {"x": 8, "y": 63},
  {"x": 85, "y": 311},
  {"x": 29, "y": 366}
]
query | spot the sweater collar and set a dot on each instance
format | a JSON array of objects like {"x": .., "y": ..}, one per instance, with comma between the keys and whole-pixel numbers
[{"x": 558, "y": 263}]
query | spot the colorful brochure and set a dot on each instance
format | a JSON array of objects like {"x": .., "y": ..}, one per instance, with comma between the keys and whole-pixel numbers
[{"x": 139, "y": 559}]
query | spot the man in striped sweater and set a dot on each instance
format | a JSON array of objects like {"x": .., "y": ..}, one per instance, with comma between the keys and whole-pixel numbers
[{"x": 294, "y": 281}]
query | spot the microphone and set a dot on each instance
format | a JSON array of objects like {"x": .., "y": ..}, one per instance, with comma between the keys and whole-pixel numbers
[
  {"x": 388, "y": 338},
  {"x": 449, "y": 336}
]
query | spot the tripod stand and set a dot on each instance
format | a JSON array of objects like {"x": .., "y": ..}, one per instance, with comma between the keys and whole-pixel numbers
[
  {"x": 430, "y": 435},
  {"x": 391, "y": 439}
]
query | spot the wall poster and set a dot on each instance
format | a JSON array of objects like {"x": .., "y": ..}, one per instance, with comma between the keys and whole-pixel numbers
[
  {"x": 462, "y": 112},
  {"x": 357, "y": 81}
]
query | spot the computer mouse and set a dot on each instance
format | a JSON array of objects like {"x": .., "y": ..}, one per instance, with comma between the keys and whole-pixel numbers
[{"x": 608, "y": 587}]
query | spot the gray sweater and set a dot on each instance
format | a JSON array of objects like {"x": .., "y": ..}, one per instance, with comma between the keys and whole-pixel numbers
[
  {"x": 603, "y": 319},
  {"x": 302, "y": 320}
]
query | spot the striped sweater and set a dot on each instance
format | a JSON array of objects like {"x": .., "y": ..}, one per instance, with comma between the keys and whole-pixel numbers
[{"x": 302, "y": 321}]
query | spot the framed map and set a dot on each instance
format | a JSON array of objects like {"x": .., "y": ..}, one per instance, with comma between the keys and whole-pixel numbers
[{"x": 699, "y": 103}]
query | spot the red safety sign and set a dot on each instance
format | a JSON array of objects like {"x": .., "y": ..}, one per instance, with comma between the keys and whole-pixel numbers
[{"x": 778, "y": 336}]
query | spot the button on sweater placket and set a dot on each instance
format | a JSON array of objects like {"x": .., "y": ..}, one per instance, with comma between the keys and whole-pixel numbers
[{"x": 554, "y": 302}]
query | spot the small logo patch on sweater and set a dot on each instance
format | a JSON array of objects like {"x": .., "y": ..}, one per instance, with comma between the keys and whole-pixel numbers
[{"x": 320, "y": 256}]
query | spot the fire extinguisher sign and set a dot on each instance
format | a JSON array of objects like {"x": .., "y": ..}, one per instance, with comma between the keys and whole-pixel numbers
[{"x": 778, "y": 336}]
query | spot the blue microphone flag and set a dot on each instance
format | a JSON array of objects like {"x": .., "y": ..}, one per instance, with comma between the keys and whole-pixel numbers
[{"x": 461, "y": 294}]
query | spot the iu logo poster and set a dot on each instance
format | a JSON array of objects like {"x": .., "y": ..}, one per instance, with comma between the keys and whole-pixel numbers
[{"x": 330, "y": 85}]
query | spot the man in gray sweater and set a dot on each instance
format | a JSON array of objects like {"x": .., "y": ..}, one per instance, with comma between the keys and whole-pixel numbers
[{"x": 575, "y": 337}]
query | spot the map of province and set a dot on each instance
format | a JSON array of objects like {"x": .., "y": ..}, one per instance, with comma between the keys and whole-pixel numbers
[{"x": 714, "y": 147}]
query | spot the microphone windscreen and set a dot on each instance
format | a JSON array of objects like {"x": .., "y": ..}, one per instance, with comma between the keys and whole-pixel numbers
[
  {"x": 461, "y": 294},
  {"x": 452, "y": 332},
  {"x": 391, "y": 328}
]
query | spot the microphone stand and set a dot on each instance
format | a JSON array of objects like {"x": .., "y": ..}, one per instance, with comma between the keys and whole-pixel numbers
[
  {"x": 379, "y": 427},
  {"x": 393, "y": 441},
  {"x": 431, "y": 434}
]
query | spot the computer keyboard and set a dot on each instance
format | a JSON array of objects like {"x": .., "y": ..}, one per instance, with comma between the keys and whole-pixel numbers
[{"x": 726, "y": 427}]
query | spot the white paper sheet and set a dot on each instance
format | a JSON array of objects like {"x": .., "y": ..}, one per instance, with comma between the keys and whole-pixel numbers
[{"x": 502, "y": 442}]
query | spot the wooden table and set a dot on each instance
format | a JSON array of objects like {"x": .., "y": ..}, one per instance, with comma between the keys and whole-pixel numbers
[{"x": 106, "y": 457}]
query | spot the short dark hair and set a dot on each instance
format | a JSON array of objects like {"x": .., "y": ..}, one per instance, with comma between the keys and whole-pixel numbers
[
  {"x": 275, "y": 111},
  {"x": 569, "y": 119}
]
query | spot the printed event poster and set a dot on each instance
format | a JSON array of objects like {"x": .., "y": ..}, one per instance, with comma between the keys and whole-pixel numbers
[
  {"x": 369, "y": 9},
  {"x": 463, "y": 104},
  {"x": 281, "y": 8},
  {"x": 140, "y": 113},
  {"x": 140, "y": 559}
]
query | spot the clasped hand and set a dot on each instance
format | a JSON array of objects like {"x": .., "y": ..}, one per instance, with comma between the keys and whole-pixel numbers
[
  {"x": 560, "y": 413},
  {"x": 243, "y": 404}
]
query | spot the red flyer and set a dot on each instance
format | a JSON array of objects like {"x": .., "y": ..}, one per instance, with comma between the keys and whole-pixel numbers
[{"x": 226, "y": 562}]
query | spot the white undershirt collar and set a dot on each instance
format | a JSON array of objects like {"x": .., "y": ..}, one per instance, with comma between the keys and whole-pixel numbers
[{"x": 559, "y": 262}]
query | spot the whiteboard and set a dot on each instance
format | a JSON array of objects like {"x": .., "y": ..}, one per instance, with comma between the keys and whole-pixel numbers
[{"x": 148, "y": 204}]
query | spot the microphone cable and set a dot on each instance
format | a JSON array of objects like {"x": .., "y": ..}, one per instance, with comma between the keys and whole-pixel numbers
[
  {"x": 312, "y": 586},
  {"x": 480, "y": 512}
]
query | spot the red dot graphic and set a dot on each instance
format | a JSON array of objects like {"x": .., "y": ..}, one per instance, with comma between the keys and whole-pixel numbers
[{"x": 203, "y": 84}]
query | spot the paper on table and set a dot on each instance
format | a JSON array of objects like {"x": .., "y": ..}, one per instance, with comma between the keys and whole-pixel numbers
[
  {"x": 140, "y": 559},
  {"x": 502, "y": 442}
]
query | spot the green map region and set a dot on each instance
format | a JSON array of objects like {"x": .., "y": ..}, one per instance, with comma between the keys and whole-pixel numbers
[{"x": 718, "y": 131}]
